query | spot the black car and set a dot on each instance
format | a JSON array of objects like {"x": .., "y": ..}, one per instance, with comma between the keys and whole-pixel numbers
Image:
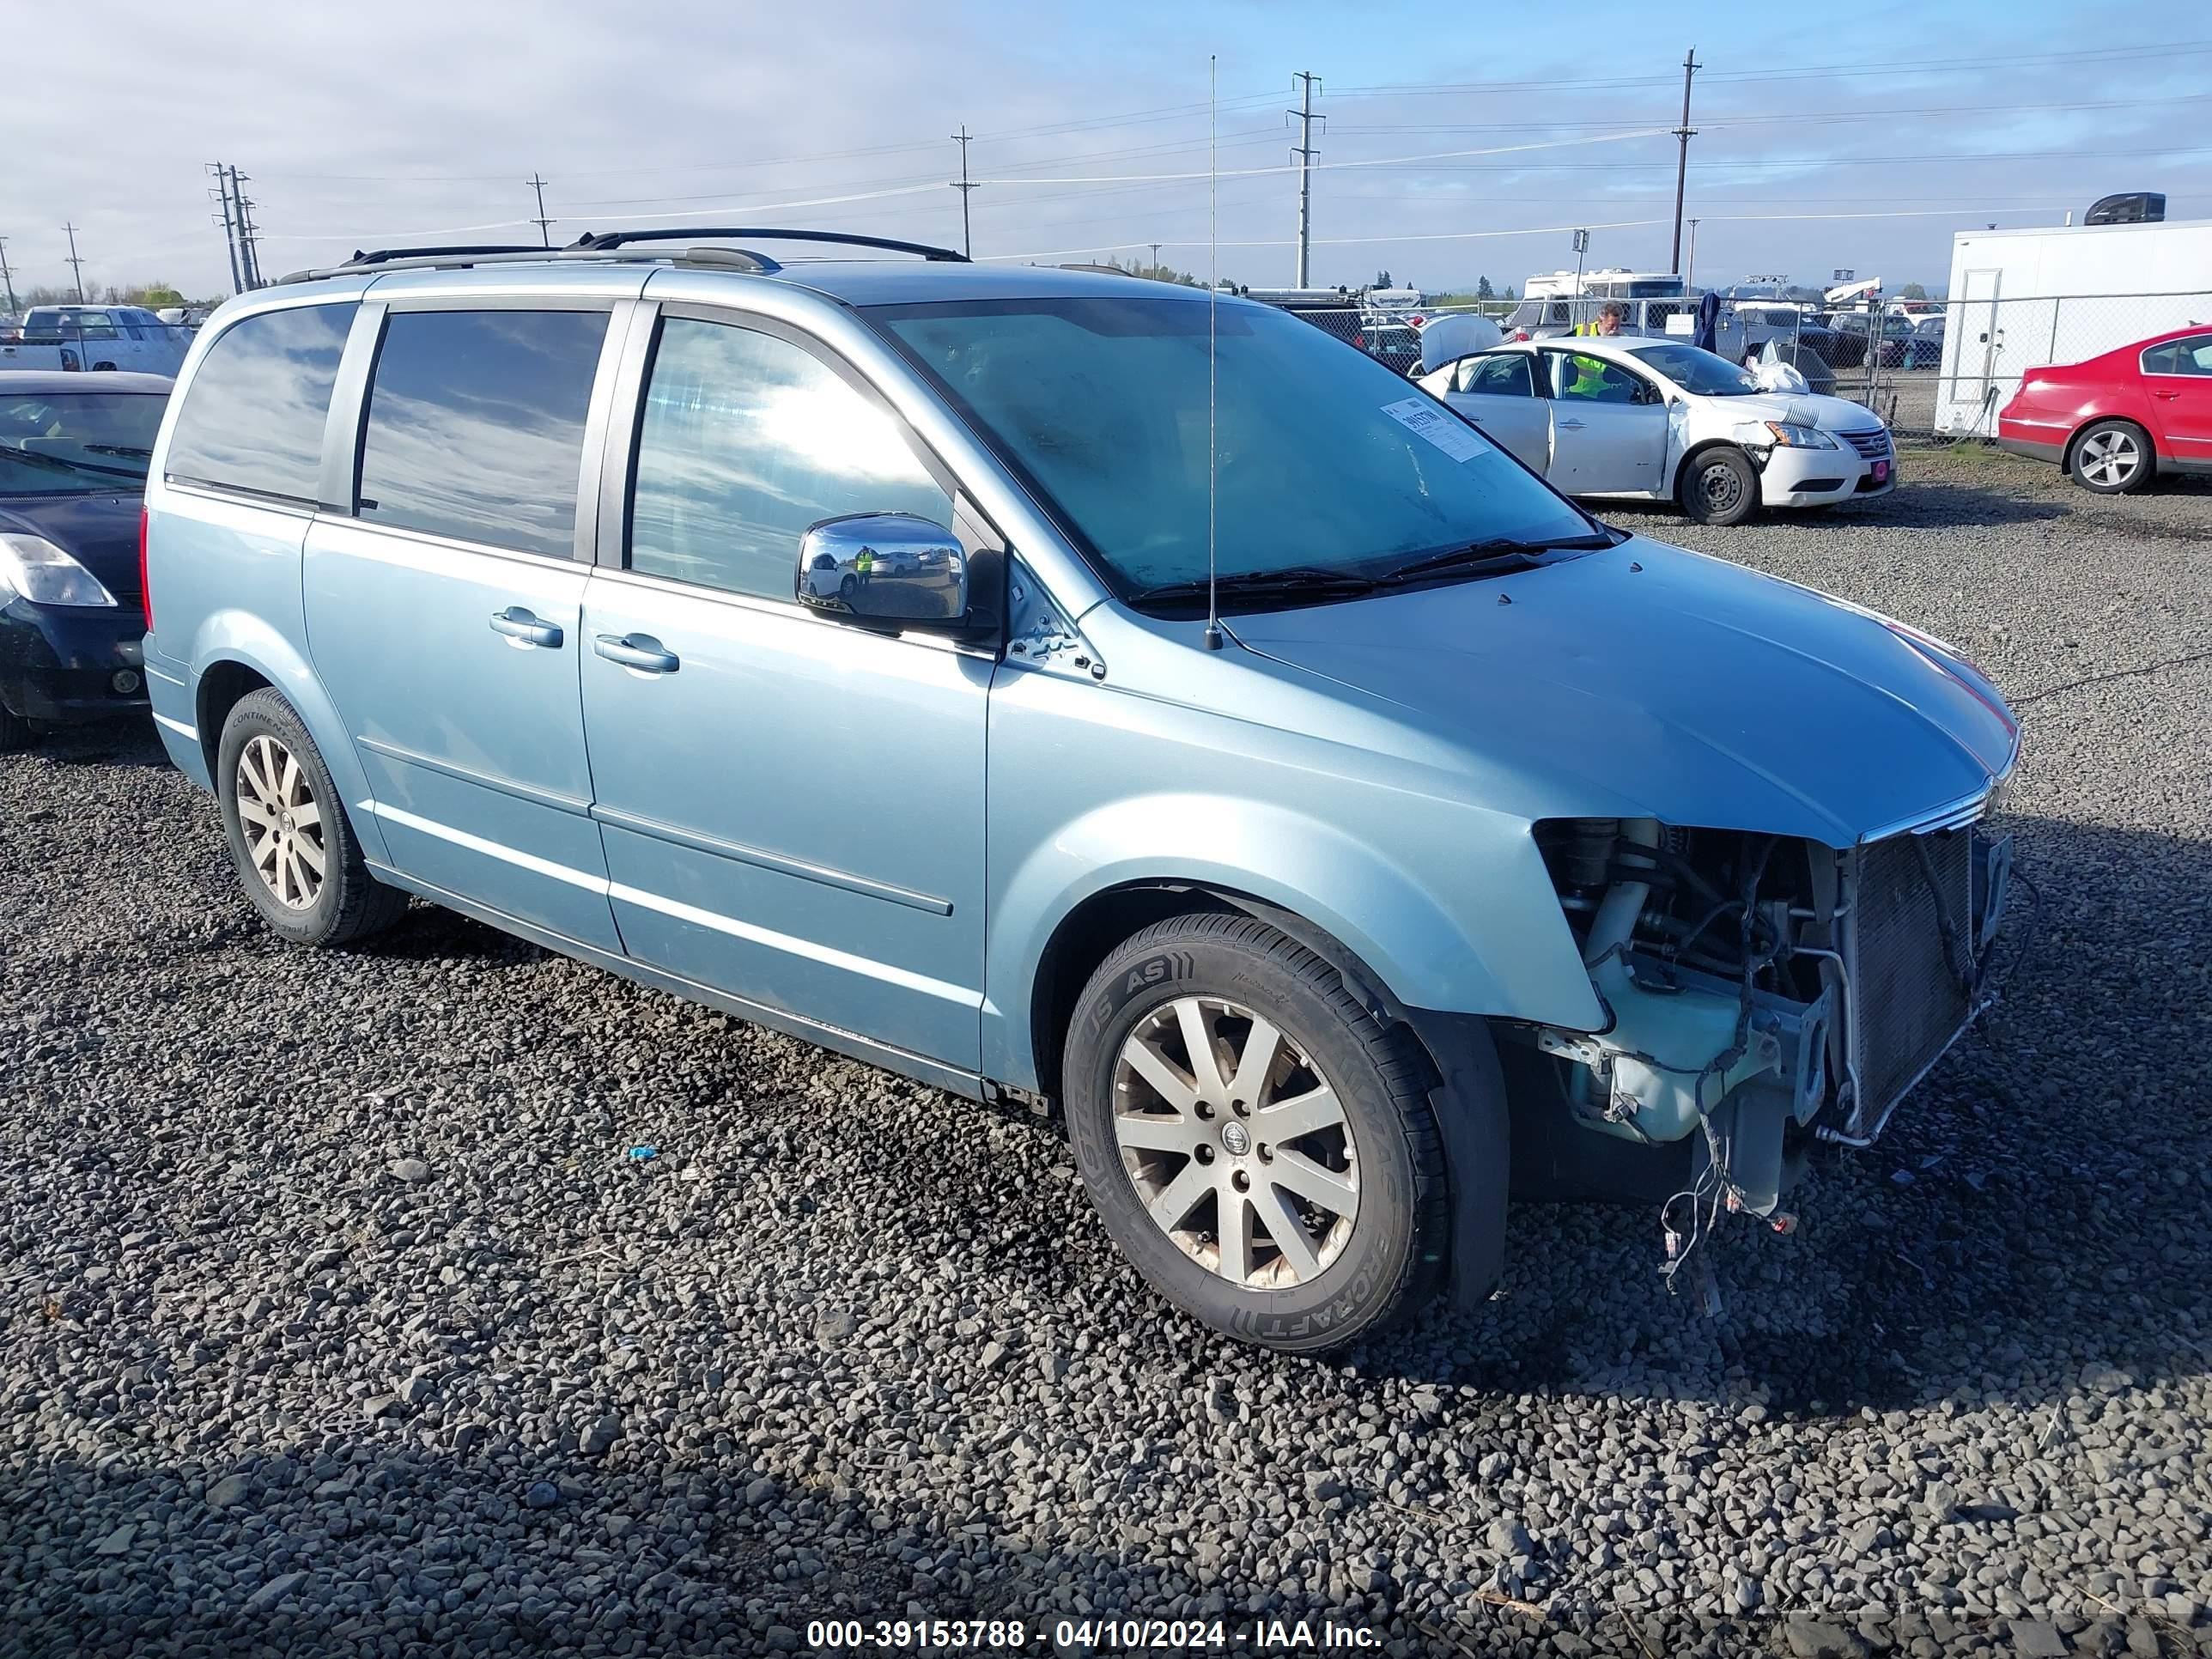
[
  {"x": 74, "y": 450},
  {"x": 1398, "y": 345},
  {"x": 1800, "y": 337}
]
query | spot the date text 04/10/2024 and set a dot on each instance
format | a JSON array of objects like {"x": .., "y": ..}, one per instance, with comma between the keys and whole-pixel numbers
[{"x": 1285, "y": 1635}]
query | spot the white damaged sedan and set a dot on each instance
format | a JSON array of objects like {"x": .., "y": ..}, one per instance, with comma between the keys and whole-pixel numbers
[{"x": 1660, "y": 420}]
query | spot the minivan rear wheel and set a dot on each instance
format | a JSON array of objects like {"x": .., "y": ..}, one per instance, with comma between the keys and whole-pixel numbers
[
  {"x": 1258, "y": 1145},
  {"x": 296, "y": 853}
]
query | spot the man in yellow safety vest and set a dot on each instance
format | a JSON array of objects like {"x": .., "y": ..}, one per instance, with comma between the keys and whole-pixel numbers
[{"x": 1589, "y": 372}]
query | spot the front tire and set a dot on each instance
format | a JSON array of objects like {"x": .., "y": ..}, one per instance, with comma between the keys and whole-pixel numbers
[
  {"x": 16, "y": 732},
  {"x": 1258, "y": 1145},
  {"x": 1718, "y": 486},
  {"x": 2112, "y": 458},
  {"x": 296, "y": 853}
]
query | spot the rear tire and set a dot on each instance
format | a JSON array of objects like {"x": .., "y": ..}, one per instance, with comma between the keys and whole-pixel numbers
[
  {"x": 296, "y": 853},
  {"x": 1718, "y": 486},
  {"x": 1288, "y": 1189},
  {"x": 2112, "y": 458}
]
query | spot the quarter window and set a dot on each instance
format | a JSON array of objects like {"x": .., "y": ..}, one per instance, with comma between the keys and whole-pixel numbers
[
  {"x": 746, "y": 441},
  {"x": 254, "y": 409},
  {"x": 475, "y": 425}
]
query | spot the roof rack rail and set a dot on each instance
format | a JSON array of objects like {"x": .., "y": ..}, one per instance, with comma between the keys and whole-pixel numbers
[
  {"x": 601, "y": 240},
  {"x": 386, "y": 255}
]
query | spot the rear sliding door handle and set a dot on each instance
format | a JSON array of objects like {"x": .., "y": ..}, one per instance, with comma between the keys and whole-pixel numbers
[
  {"x": 639, "y": 651},
  {"x": 518, "y": 624},
  {"x": 1570, "y": 426}
]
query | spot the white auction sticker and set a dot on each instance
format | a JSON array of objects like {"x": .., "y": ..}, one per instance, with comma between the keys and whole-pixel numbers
[{"x": 1452, "y": 435}]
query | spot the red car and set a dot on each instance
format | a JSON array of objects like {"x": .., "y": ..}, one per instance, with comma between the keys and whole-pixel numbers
[{"x": 2117, "y": 421}]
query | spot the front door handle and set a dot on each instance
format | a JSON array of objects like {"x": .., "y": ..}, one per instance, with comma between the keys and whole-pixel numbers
[
  {"x": 1570, "y": 426},
  {"x": 2155, "y": 393},
  {"x": 517, "y": 623},
  {"x": 639, "y": 651}
]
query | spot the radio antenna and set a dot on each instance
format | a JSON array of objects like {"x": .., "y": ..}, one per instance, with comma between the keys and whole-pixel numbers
[{"x": 1213, "y": 299}]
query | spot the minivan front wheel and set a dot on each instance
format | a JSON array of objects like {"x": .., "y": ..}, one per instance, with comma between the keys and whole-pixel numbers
[
  {"x": 297, "y": 854},
  {"x": 1261, "y": 1148}
]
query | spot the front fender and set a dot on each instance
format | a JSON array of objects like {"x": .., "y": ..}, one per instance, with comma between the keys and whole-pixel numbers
[
  {"x": 1484, "y": 936},
  {"x": 240, "y": 637}
]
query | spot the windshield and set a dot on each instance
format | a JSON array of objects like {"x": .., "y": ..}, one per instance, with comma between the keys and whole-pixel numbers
[
  {"x": 1698, "y": 371},
  {"x": 76, "y": 443},
  {"x": 1325, "y": 460}
]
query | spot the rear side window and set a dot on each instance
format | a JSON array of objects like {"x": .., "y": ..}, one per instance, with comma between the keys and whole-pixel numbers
[
  {"x": 2191, "y": 357},
  {"x": 475, "y": 425},
  {"x": 1505, "y": 375},
  {"x": 253, "y": 412},
  {"x": 747, "y": 440}
]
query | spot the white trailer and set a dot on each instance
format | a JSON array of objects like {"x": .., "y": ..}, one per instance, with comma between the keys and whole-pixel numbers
[{"x": 2021, "y": 299}]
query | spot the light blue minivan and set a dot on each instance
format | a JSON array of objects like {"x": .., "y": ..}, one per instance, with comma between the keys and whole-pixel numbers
[{"x": 1105, "y": 697}]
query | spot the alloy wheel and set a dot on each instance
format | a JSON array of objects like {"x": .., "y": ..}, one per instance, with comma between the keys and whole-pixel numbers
[
  {"x": 1237, "y": 1145},
  {"x": 2110, "y": 457},
  {"x": 283, "y": 823}
]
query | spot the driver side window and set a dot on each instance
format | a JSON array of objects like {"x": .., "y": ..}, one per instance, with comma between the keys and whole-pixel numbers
[{"x": 1579, "y": 379}]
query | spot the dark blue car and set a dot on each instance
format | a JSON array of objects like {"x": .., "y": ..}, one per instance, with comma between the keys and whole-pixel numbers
[{"x": 73, "y": 455}]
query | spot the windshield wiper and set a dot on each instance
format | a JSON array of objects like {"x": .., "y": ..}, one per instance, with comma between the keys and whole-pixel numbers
[
  {"x": 1495, "y": 557},
  {"x": 1244, "y": 584},
  {"x": 62, "y": 464},
  {"x": 131, "y": 450}
]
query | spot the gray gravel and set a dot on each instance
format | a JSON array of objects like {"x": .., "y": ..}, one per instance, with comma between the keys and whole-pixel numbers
[{"x": 336, "y": 1316}]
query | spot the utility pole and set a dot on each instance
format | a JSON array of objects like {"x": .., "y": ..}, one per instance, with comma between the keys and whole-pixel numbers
[
  {"x": 222, "y": 193},
  {"x": 1304, "y": 150},
  {"x": 249, "y": 257},
  {"x": 7, "y": 276},
  {"x": 961, "y": 137},
  {"x": 1683, "y": 134},
  {"x": 545, "y": 225},
  {"x": 1691, "y": 269},
  {"x": 1155, "y": 247},
  {"x": 75, "y": 263}
]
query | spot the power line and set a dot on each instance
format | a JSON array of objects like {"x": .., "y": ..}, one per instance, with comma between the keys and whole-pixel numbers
[
  {"x": 961, "y": 137},
  {"x": 75, "y": 264},
  {"x": 545, "y": 225},
  {"x": 1683, "y": 134},
  {"x": 1305, "y": 152}
]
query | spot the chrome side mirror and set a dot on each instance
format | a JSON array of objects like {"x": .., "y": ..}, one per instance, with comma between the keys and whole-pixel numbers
[{"x": 888, "y": 568}]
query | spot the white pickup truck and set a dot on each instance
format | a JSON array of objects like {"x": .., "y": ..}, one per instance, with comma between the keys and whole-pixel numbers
[{"x": 129, "y": 338}]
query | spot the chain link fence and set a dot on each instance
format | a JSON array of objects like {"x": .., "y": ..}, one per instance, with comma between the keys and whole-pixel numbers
[{"x": 1928, "y": 367}]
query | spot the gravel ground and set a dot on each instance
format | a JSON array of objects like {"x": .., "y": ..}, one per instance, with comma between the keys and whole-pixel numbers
[{"x": 336, "y": 1316}]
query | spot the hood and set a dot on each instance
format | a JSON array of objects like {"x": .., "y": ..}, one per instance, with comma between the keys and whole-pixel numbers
[
  {"x": 1647, "y": 681},
  {"x": 100, "y": 532}
]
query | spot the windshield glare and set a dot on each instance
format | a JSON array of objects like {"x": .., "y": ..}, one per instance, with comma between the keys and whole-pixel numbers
[
  {"x": 1101, "y": 405},
  {"x": 1698, "y": 371},
  {"x": 75, "y": 443}
]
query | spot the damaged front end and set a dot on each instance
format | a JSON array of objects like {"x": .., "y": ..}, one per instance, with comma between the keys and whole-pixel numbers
[{"x": 1761, "y": 992}]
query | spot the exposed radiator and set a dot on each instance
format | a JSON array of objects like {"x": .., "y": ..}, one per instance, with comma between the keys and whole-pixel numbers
[{"x": 1906, "y": 1002}]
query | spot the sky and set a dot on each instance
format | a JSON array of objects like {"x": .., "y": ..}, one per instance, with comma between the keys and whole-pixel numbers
[{"x": 1827, "y": 138}]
